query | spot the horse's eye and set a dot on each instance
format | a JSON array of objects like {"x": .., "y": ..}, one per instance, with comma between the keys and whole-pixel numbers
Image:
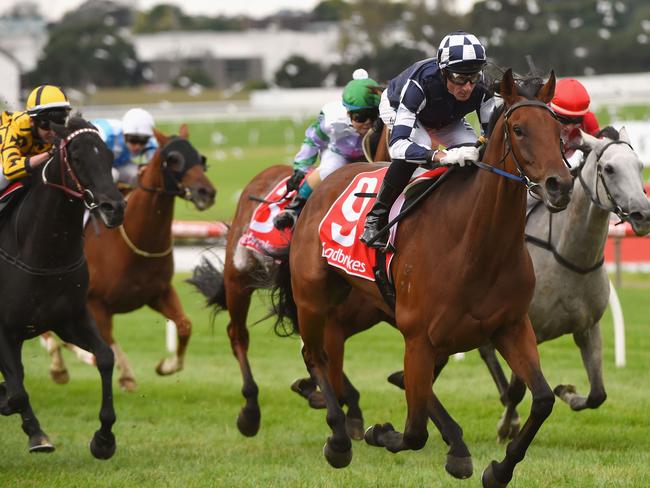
[
  {"x": 517, "y": 130},
  {"x": 609, "y": 169}
]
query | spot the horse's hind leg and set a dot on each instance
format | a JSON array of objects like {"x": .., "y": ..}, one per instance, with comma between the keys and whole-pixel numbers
[
  {"x": 590, "y": 343},
  {"x": 338, "y": 448},
  {"x": 84, "y": 334},
  {"x": 170, "y": 306},
  {"x": 518, "y": 346},
  {"x": 14, "y": 397},
  {"x": 58, "y": 371},
  {"x": 510, "y": 394},
  {"x": 238, "y": 299}
]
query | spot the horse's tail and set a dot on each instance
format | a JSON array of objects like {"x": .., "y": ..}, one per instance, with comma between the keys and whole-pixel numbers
[
  {"x": 284, "y": 307},
  {"x": 208, "y": 280}
]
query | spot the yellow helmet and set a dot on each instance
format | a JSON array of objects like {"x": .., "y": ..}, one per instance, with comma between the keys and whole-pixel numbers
[{"x": 46, "y": 98}]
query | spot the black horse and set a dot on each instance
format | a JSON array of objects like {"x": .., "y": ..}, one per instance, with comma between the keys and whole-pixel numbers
[{"x": 43, "y": 271}]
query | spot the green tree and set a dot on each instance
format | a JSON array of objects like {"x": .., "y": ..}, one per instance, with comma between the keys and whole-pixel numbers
[
  {"x": 90, "y": 52},
  {"x": 297, "y": 72}
]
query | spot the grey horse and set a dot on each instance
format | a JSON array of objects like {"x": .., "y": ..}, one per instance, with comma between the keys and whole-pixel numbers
[{"x": 567, "y": 250}]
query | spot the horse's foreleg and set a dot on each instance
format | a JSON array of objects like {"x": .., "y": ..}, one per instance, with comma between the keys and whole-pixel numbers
[
  {"x": 238, "y": 299},
  {"x": 104, "y": 321},
  {"x": 591, "y": 348},
  {"x": 14, "y": 397},
  {"x": 510, "y": 394},
  {"x": 170, "y": 306},
  {"x": 58, "y": 371},
  {"x": 418, "y": 378},
  {"x": 518, "y": 346},
  {"x": 84, "y": 334}
]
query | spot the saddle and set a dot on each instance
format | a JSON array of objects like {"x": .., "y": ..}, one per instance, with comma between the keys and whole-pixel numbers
[{"x": 11, "y": 194}]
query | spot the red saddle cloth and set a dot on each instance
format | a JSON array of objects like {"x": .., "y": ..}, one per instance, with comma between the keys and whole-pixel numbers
[
  {"x": 6, "y": 194},
  {"x": 343, "y": 224},
  {"x": 261, "y": 235}
]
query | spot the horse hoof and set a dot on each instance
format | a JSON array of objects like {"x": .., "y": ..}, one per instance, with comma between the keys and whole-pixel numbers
[
  {"x": 40, "y": 444},
  {"x": 304, "y": 387},
  {"x": 337, "y": 459},
  {"x": 102, "y": 447},
  {"x": 562, "y": 390},
  {"x": 354, "y": 428},
  {"x": 60, "y": 377},
  {"x": 397, "y": 379},
  {"x": 167, "y": 366},
  {"x": 317, "y": 400},
  {"x": 128, "y": 384},
  {"x": 489, "y": 480},
  {"x": 374, "y": 431},
  {"x": 459, "y": 467},
  {"x": 248, "y": 422}
]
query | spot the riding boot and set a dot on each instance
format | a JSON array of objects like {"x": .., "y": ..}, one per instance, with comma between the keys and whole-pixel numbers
[
  {"x": 287, "y": 218},
  {"x": 397, "y": 177}
]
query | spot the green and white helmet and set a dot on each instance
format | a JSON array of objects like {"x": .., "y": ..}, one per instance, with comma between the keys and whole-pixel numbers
[{"x": 359, "y": 95}]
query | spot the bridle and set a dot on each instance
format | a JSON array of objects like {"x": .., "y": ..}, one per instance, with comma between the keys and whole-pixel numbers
[
  {"x": 600, "y": 179},
  {"x": 595, "y": 199},
  {"x": 523, "y": 177},
  {"x": 79, "y": 191}
]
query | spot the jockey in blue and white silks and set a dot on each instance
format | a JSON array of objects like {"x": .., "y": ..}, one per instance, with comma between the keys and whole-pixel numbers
[
  {"x": 425, "y": 107},
  {"x": 132, "y": 142}
]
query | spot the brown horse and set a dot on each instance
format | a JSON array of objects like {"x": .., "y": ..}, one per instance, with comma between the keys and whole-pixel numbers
[
  {"x": 132, "y": 266},
  {"x": 471, "y": 257},
  {"x": 245, "y": 271}
]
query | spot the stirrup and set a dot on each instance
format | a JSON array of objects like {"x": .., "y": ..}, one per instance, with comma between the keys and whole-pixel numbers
[{"x": 370, "y": 231}]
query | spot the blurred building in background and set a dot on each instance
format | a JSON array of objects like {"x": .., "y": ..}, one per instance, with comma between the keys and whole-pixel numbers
[{"x": 233, "y": 57}]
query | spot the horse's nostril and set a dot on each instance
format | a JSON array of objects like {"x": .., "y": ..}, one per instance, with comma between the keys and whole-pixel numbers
[
  {"x": 637, "y": 216},
  {"x": 552, "y": 184}
]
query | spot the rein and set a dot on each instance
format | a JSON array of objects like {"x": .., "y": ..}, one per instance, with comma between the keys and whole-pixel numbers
[
  {"x": 142, "y": 253},
  {"x": 623, "y": 216},
  {"x": 81, "y": 193}
]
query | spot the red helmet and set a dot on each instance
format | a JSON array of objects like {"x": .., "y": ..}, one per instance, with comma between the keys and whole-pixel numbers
[{"x": 571, "y": 98}]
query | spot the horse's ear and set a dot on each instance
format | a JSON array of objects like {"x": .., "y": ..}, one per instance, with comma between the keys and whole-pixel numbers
[
  {"x": 546, "y": 92},
  {"x": 184, "y": 132},
  {"x": 589, "y": 140},
  {"x": 160, "y": 137},
  {"x": 508, "y": 89},
  {"x": 623, "y": 135}
]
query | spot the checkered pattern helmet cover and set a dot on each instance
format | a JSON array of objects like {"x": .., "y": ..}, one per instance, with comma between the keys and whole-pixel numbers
[{"x": 461, "y": 52}]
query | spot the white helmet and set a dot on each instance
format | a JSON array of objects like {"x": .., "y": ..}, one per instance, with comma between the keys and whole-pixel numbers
[{"x": 138, "y": 121}]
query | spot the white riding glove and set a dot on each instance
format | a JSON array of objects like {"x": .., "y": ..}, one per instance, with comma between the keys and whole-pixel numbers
[{"x": 460, "y": 155}]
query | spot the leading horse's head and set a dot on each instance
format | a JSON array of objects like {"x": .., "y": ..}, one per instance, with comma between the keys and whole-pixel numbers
[
  {"x": 533, "y": 134},
  {"x": 612, "y": 176},
  {"x": 183, "y": 169},
  {"x": 85, "y": 169}
]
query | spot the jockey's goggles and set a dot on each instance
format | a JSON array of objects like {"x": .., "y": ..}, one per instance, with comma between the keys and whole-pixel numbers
[
  {"x": 461, "y": 79},
  {"x": 134, "y": 139},
  {"x": 43, "y": 119},
  {"x": 365, "y": 114},
  {"x": 566, "y": 120}
]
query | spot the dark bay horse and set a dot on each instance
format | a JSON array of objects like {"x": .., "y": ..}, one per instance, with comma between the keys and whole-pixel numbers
[
  {"x": 45, "y": 275},
  {"x": 245, "y": 271},
  {"x": 132, "y": 266},
  {"x": 463, "y": 246},
  {"x": 567, "y": 250}
]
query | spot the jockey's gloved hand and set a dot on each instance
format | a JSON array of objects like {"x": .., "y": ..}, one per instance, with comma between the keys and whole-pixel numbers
[
  {"x": 460, "y": 156},
  {"x": 293, "y": 183}
]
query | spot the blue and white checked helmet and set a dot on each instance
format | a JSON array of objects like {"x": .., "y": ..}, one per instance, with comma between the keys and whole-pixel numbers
[{"x": 460, "y": 52}]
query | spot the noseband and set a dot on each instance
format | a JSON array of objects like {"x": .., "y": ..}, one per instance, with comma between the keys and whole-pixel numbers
[
  {"x": 82, "y": 193},
  {"x": 600, "y": 179}
]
